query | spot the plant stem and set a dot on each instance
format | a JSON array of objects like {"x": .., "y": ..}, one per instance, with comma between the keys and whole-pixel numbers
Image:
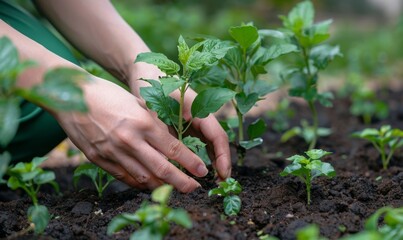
[
  {"x": 308, "y": 188},
  {"x": 315, "y": 125},
  {"x": 100, "y": 187},
  {"x": 240, "y": 149},
  {"x": 181, "y": 102}
]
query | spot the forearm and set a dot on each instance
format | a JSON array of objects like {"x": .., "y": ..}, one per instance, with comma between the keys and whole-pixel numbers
[
  {"x": 31, "y": 50},
  {"x": 96, "y": 29}
]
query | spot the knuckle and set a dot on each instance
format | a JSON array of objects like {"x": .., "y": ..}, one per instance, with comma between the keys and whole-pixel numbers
[
  {"x": 143, "y": 179},
  {"x": 163, "y": 170},
  {"x": 92, "y": 154},
  {"x": 174, "y": 149}
]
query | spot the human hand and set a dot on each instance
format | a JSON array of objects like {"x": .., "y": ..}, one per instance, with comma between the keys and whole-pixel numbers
[{"x": 120, "y": 135}]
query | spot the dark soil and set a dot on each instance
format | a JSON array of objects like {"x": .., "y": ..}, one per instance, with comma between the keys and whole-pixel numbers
[{"x": 276, "y": 205}]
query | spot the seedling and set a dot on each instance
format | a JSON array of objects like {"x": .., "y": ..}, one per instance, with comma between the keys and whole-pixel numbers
[
  {"x": 30, "y": 177},
  {"x": 281, "y": 115},
  {"x": 152, "y": 220},
  {"x": 310, "y": 232},
  {"x": 391, "y": 229},
  {"x": 243, "y": 65},
  {"x": 306, "y": 131},
  {"x": 366, "y": 105},
  {"x": 193, "y": 59},
  {"x": 386, "y": 140},
  {"x": 307, "y": 37},
  {"x": 99, "y": 177},
  {"x": 229, "y": 189},
  {"x": 308, "y": 168}
]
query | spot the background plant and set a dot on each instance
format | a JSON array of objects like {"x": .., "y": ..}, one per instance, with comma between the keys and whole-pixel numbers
[
  {"x": 386, "y": 140},
  {"x": 307, "y": 36},
  {"x": 229, "y": 189},
  {"x": 98, "y": 176},
  {"x": 280, "y": 116},
  {"x": 152, "y": 220},
  {"x": 308, "y": 168},
  {"x": 30, "y": 177},
  {"x": 193, "y": 59},
  {"x": 366, "y": 105}
]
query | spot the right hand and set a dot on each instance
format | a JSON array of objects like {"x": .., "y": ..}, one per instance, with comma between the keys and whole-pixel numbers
[{"x": 121, "y": 136}]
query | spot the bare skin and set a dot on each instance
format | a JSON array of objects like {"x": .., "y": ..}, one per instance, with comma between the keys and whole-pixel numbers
[{"x": 119, "y": 133}]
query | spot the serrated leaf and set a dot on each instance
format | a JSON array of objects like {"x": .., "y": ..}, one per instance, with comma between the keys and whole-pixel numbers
[
  {"x": 60, "y": 90},
  {"x": 160, "y": 60},
  {"x": 265, "y": 55},
  {"x": 162, "y": 194},
  {"x": 211, "y": 77},
  {"x": 217, "y": 48},
  {"x": 245, "y": 35},
  {"x": 257, "y": 128},
  {"x": 200, "y": 59},
  {"x": 232, "y": 205},
  {"x": 183, "y": 50},
  {"x": 251, "y": 143},
  {"x": 210, "y": 100},
  {"x": 299, "y": 17},
  {"x": 170, "y": 84},
  {"x": 198, "y": 147},
  {"x": 322, "y": 55},
  {"x": 9, "y": 115},
  {"x": 39, "y": 215},
  {"x": 245, "y": 103}
]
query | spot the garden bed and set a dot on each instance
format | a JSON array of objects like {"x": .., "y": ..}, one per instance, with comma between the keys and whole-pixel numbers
[{"x": 274, "y": 204}]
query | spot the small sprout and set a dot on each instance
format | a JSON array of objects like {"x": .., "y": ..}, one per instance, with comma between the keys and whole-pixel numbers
[
  {"x": 306, "y": 132},
  {"x": 386, "y": 140},
  {"x": 365, "y": 104},
  {"x": 281, "y": 115},
  {"x": 99, "y": 177},
  {"x": 391, "y": 229},
  {"x": 310, "y": 232},
  {"x": 229, "y": 189},
  {"x": 30, "y": 177},
  {"x": 152, "y": 220},
  {"x": 309, "y": 168}
]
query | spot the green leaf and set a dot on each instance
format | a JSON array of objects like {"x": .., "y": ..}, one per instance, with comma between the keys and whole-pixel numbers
[
  {"x": 183, "y": 50},
  {"x": 211, "y": 77},
  {"x": 87, "y": 169},
  {"x": 164, "y": 106},
  {"x": 317, "y": 153},
  {"x": 232, "y": 205},
  {"x": 209, "y": 101},
  {"x": 216, "y": 191},
  {"x": 217, "y": 48},
  {"x": 39, "y": 215},
  {"x": 60, "y": 90},
  {"x": 265, "y": 55},
  {"x": 44, "y": 177},
  {"x": 180, "y": 217},
  {"x": 245, "y": 35},
  {"x": 198, "y": 147},
  {"x": 272, "y": 33},
  {"x": 245, "y": 103},
  {"x": 5, "y": 159},
  {"x": 9, "y": 115},
  {"x": 37, "y": 161},
  {"x": 260, "y": 87},
  {"x": 121, "y": 221},
  {"x": 200, "y": 59},
  {"x": 310, "y": 232},
  {"x": 160, "y": 60},
  {"x": 147, "y": 233},
  {"x": 322, "y": 55},
  {"x": 231, "y": 186},
  {"x": 257, "y": 128},
  {"x": 161, "y": 194},
  {"x": 13, "y": 183},
  {"x": 295, "y": 131},
  {"x": 294, "y": 169},
  {"x": 251, "y": 143},
  {"x": 8, "y": 55},
  {"x": 325, "y": 99},
  {"x": 299, "y": 17},
  {"x": 170, "y": 84}
]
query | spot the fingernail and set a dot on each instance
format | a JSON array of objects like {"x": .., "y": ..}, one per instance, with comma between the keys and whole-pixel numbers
[{"x": 202, "y": 170}]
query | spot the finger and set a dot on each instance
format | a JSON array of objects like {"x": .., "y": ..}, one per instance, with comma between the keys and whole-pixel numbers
[
  {"x": 158, "y": 165},
  {"x": 173, "y": 149},
  {"x": 214, "y": 133}
]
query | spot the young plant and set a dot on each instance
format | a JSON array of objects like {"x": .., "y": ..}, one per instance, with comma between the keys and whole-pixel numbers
[
  {"x": 99, "y": 177},
  {"x": 229, "y": 189},
  {"x": 305, "y": 131},
  {"x": 201, "y": 56},
  {"x": 152, "y": 220},
  {"x": 386, "y": 140},
  {"x": 308, "y": 168},
  {"x": 241, "y": 70},
  {"x": 391, "y": 229},
  {"x": 366, "y": 105},
  {"x": 281, "y": 115},
  {"x": 307, "y": 37},
  {"x": 30, "y": 177}
]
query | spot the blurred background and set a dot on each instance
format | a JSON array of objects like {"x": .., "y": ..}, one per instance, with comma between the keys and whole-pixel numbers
[{"x": 369, "y": 32}]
